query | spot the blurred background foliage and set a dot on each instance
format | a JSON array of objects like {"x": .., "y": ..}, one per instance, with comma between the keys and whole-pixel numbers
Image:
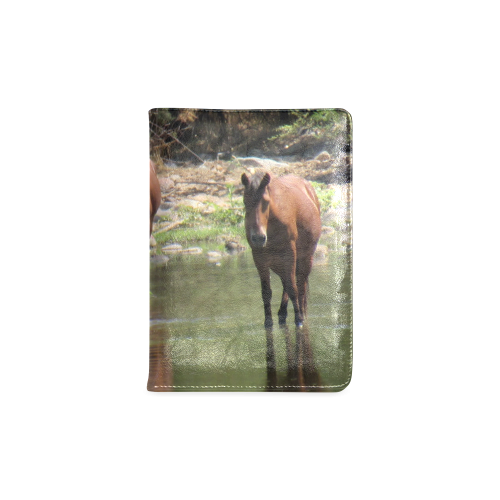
[{"x": 197, "y": 135}]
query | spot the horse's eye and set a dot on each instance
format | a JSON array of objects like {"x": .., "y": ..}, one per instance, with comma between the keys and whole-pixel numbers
[{"x": 264, "y": 205}]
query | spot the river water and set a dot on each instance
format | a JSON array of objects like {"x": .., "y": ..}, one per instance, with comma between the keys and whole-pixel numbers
[{"x": 207, "y": 328}]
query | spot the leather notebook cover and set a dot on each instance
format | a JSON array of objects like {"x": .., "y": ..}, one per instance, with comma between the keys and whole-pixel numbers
[{"x": 250, "y": 250}]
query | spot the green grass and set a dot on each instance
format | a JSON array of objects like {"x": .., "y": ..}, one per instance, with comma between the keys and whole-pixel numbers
[
  {"x": 222, "y": 224},
  {"x": 215, "y": 227},
  {"x": 325, "y": 195},
  {"x": 216, "y": 235}
]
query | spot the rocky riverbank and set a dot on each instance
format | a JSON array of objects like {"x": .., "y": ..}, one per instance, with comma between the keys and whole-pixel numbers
[{"x": 202, "y": 206}]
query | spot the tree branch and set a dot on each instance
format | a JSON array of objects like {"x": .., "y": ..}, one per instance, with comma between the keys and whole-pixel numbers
[
  {"x": 175, "y": 139},
  {"x": 169, "y": 227}
]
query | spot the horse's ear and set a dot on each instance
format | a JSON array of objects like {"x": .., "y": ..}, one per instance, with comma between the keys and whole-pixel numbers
[
  {"x": 244, "y": 179},
  {"x": 265, "y": 180}
]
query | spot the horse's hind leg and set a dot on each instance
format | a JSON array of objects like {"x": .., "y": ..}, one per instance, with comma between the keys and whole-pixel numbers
[
  {"x": 293, "y": 294},
  {"x": 285, "y": 269},
  {"x": 282, "y": 313},
  {"x": 304, "y": 266},
  {"x": 290, "y": 288},
  {"x": 295, "y": 297}
]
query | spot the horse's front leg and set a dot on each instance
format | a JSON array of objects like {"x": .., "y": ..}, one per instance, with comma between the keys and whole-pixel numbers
[{"x": 265, "y": 283}]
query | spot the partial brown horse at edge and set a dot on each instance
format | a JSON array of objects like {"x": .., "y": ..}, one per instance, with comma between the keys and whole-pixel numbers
[
  {"x": 154, "y": 194},
  {"x": 283, "y": 226}
]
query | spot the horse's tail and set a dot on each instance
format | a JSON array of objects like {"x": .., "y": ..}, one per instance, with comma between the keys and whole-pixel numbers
[{"x": 312, "y": 194}]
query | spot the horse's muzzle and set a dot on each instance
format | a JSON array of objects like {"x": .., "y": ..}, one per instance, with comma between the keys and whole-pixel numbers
[{"x": 258, "y": 240}]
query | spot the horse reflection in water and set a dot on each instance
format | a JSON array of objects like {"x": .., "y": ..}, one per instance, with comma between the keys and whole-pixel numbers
[
  {"x": 161, "y": 377},
  {"x": 301, "y": 374}
]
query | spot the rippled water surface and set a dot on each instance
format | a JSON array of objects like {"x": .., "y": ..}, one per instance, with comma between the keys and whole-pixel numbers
[{"x": 207, "y": 328}]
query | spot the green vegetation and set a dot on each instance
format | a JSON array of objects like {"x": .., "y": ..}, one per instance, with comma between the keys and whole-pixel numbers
[
  {"x": 325, "y": 195},
  {"x": 196, "y": 235},
  {"x": 186, "y": 138},
  {"x": 317, "y": 123},
  {"x": 216, "y": 225},
  {"x": 185, "y": 134}
]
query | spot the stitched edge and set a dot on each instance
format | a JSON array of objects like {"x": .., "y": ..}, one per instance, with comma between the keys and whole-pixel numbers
[
  {"x": 349, "y": 119},
  {"x": 248, "y": 386}
]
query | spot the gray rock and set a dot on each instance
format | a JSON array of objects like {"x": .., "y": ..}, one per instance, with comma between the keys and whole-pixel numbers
[
  {"x": 214, "y": 255},
  {"x": 321, "y": 252},
  {"x": 323, "y": 156},
  {"x": 173, "y": 248},
  {"x": 234, "y": 247},
  {"x": 192, "y": 250},
  {"x": 261, "y": 163}
]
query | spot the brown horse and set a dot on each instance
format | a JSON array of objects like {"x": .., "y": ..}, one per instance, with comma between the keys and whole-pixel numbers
[
  {"x": 154, "y": 194},
  {"x": 283, "y": 226}
]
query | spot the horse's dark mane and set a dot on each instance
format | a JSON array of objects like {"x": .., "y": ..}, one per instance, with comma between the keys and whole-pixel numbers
[{"x": 256, "y": 179}]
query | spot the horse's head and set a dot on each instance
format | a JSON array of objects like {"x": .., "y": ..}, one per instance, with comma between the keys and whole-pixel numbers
[{"x": 256, "y": 199}]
